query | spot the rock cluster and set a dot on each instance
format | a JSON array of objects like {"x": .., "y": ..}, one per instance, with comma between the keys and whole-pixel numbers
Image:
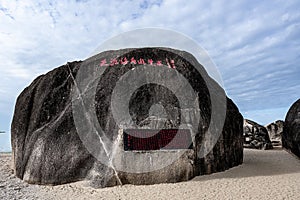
[
  {"x": 256, "y": 136},
  {"x": 48, "y": 147},
  {"x": 291, "y": 130}
]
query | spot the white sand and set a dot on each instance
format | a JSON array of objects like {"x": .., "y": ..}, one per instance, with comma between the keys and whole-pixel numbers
[{"x": 272, "y": 174}]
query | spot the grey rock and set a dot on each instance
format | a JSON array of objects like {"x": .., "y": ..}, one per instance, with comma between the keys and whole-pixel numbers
[
  {"x": 275, "y": 130},
  {"x": 48, "y": 149},
  {"x": 256, "y": 136},
  {"x": 291, "y": 130}
]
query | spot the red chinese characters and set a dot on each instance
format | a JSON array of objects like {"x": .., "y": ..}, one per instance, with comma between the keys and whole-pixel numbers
[
  {"x": 113, "y": 62},
  {"x": 172, "y": 63},
  {"x": 132, "y": 60},
  {"x": 140, "y": 61},
  {"x": 124, "y": 61},
  {"x": 103, "y": 63},
  {"x": 159, "y": 63},
  {"x": 150, "y": 61}
]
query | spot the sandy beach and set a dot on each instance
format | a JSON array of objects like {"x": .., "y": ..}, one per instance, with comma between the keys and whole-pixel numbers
[{"x": 272, "y": 174}]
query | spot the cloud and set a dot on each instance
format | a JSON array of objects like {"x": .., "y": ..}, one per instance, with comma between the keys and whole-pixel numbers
[{"x": 255, "y": 44}]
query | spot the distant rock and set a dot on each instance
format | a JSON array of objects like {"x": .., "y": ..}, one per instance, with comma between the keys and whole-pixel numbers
[
  {"x": 275, "y": 130},
  {"x": 47, "y": 147},
  {"x": 291, "y": 130},
  {"x": 256, "y": 136}
]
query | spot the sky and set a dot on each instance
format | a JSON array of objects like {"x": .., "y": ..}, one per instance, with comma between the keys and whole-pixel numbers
[{"x": 254, "y": 44}]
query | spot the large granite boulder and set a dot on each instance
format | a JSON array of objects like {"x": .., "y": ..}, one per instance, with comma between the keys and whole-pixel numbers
[
  {"x": 55, "y": 140},
  {"x": 256, "y": 136},
  {"x": 291, "y": 129},
  {"x": 275, "y": 130}
]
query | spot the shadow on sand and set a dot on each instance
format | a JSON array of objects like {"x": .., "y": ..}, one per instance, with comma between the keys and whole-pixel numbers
[{"x": 259, "y": 163}]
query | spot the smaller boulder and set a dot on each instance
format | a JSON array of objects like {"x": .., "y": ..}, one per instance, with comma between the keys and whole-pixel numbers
[
  {"x": 256, "y": 136},
  {"x": 275, "y": 130}
]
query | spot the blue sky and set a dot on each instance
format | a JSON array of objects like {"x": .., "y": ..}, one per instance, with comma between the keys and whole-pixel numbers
[{"x": 254, "y": 44}]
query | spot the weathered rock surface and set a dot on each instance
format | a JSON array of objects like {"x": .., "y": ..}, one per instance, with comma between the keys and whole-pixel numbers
[
  {"x": 48, "y": 149},
  {"x": 291, "y": 130},
  {"x": 256, "y": 136},
  {"x": 275, "y": 130}
]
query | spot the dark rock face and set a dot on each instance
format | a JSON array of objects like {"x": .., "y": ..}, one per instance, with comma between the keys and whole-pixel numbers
[
  {"x": 291, "y": 130},
  {"x": 48, "y": 149},
  {"x": 256, "y": 136},
  {"x": 275, "y": 130}
]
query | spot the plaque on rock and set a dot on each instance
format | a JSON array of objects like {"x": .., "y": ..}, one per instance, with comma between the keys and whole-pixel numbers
[{"x": 152, "y": 139}]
